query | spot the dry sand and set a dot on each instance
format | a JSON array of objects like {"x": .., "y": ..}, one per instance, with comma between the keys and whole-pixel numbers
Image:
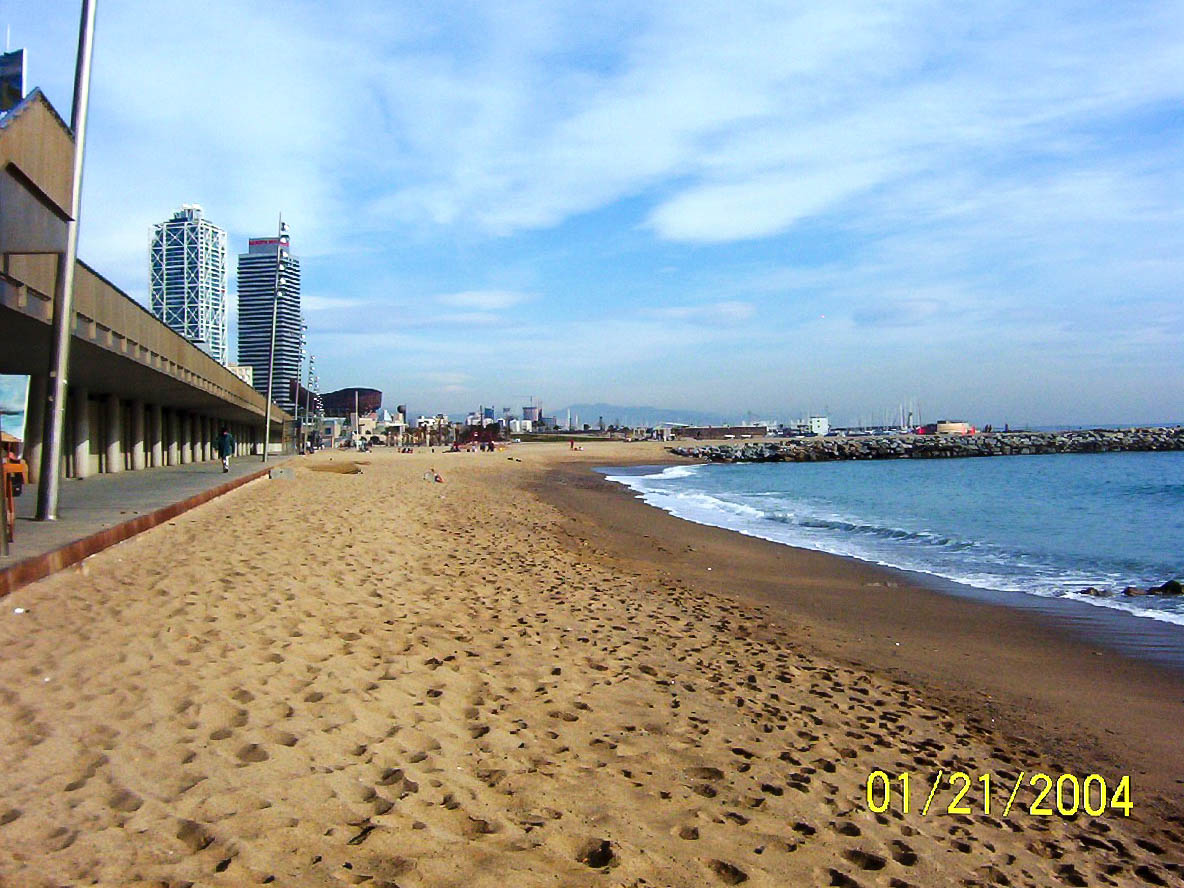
[{"x": 374, "y": 679}]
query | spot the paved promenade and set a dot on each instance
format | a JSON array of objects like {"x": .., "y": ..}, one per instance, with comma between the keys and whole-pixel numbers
[{"x": 96, "y": 509}]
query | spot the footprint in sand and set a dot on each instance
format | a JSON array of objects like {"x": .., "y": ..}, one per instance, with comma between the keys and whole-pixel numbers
[
  {"x": 865, "y": 860},
  {"x": 252, "y": 753},
  {"x": 194, "y": 835}
]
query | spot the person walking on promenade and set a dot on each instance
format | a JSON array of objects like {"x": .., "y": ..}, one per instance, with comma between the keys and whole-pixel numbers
[{"x": 225, "y": 447}]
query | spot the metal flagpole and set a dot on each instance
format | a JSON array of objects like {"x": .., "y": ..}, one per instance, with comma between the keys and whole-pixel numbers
[{"x": 63, "y": 297}]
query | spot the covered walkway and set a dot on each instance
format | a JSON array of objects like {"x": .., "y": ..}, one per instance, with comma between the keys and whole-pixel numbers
[
  {"x": 139, "y": 395},
  {"x": 109, "y": 508}
]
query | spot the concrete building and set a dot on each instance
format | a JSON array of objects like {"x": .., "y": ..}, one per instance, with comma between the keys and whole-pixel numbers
[
  {"x": 706, "y": 433},
  {"x": 433, "y": 430},
  {"x": 331, "y": 430},
  {"x": 267, "y": 272},
  {"x": 348, "y": 400},
  {"x": 364, "y": 426},
  {"x": 139, "y": 395},
  {"x": 948, "y": 427},
  {"x": 819, "y": 425},
  {"x": 187, "y": 279},
  {"x": 243, "y": 372}
]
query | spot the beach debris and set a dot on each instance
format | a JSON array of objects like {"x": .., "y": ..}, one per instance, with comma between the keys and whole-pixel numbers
[
  {"x": 19, "y": 610},
  {"x": 361, "y": 836}
]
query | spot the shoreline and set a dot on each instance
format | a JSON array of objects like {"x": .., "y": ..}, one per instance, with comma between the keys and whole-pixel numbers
[
  {"x": 1023, "y": 672},
  {"x": 1126, "y": 632},
  {"x": 517, "y": 677}
]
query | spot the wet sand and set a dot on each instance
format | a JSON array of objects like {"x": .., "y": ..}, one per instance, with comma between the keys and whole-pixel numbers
[{"x": 522, "y": 676}]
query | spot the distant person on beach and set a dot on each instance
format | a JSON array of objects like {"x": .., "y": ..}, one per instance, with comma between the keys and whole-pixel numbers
[{"x": 225, "y": 447}]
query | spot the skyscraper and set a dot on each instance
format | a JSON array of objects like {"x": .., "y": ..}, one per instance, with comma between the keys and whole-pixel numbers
[
  {"x": 268, "y": 271},
  {"x": 187, "y": 278}
]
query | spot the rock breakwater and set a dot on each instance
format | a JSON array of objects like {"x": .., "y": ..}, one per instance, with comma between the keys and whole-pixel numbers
[{"x": 938, "y": 446}]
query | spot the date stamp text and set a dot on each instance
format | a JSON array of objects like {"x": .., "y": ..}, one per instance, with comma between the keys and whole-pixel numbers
[{"x": 1037, "y": 794}]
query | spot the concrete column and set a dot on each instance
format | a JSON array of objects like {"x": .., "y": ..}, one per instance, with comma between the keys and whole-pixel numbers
[
  {"x": 139, "y": 436},
  {"x": 194, "y": 438},
  {"x": 114, "y": 436},
  {"x": 174, "y": 437},
  {"x": 35, "y": 424},
  {"x": 184, "y": 442},
  {"x": 156, "y": 436},
  {"x": 206, "y": 455},
  {"x": 80, "y": 407}
]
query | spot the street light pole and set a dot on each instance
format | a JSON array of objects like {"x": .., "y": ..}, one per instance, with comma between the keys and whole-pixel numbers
[
  {"x": 275, "y": 311},
  {"x": 49, "y": 485},
  {"x": 296, "y": 396},
  {"x": 308, "y": 397}
]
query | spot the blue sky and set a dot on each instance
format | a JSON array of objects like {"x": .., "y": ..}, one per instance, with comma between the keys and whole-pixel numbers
[{"x": 770, "y": 207}]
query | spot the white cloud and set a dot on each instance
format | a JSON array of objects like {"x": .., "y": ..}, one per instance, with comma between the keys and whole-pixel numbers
[
  {"x": 712, "y": 312},
  {"x": 761, "y": 206},
  {"x": 314, "y": 302},
  {"x": 994, "y": 175},
  {"x": 484, "y": 300}
]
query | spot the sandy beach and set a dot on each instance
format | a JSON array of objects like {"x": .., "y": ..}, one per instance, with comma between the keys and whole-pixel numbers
[{"x": 523, "y": 676}]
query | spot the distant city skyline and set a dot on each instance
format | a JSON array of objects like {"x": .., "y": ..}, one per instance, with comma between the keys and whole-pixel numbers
[{"x": 763, "y": 208}]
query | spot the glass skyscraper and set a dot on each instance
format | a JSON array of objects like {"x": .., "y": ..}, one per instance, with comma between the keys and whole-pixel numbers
[
  {"x": 187, "y": 279},
  {"x": 266, "y": 272}
]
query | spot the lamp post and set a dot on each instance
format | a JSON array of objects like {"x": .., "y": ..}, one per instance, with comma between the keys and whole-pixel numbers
[
  {"x": 296, "y": 398},
  {"x": 308, "y": 396},
  {"x": 49, "y": 485},
  {"x": 282, "y": 239}
]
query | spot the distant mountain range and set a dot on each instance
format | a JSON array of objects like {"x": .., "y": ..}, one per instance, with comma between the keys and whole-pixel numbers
[{"x": 616, "y": 414}]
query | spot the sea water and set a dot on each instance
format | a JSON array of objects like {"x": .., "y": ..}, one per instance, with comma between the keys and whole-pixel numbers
[{"x": 1046, "y": 526}]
